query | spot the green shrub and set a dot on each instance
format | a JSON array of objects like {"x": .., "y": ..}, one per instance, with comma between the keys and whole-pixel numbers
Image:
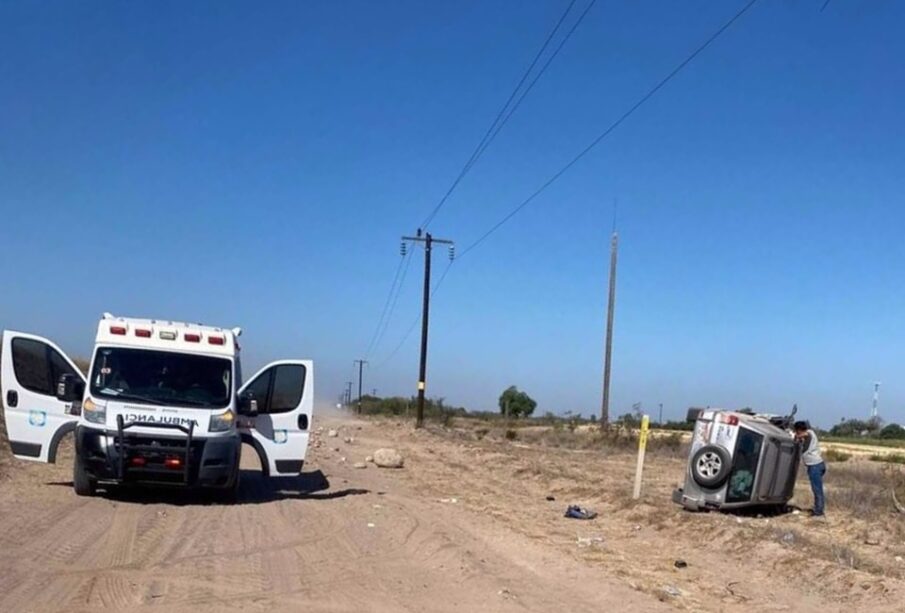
[
  {"x": 890, "y": 458},
  {"x": 834, "y": 455}
]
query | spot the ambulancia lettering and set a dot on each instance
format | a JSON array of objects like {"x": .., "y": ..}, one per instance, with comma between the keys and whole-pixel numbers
[{"x": 162, "y": 419}]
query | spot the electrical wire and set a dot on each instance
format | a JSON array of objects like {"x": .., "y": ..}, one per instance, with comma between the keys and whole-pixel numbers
[
  {"x": 386, "y": 323},
  {"x": 499, "y": 120},
  {"x": 541, "y": 71},
  {"x": 417, "y": 319},
  {"x": 386, "y": 305},
  {"x": 612, "y": 127}
]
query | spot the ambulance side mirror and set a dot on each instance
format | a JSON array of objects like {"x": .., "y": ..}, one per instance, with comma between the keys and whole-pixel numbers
[
  {"x": 70, "y": 388},
  {"x": 248, "y": 405}
]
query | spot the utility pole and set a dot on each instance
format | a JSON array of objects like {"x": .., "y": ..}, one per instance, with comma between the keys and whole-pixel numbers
[
  {"x": 361, "y": 364},
  {"x": 428, "y": 241},
  {"x": 374, "y": 392},
  {"x": 608, "y": 351},
  {"x": 660, "y": 420},
  {"x": 348, "y": 393}
]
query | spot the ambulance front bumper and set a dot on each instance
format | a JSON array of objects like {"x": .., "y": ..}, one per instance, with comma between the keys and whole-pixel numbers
[{"x": 168, "y": 458}]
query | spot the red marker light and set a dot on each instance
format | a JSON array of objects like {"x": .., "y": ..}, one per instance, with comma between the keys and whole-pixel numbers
[
  {"x": 138, "y": 461},
  {"x": 117, "y": 329},
  {"x": 173, "y": 463},
  {"x": 216, "y": 340},
  {"x": 142, "y": 333},
  {"x": 192, "y": 338}
]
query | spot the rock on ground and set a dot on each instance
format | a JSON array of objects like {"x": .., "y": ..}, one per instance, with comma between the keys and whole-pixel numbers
[
  {"x": 332, "y": 433},
  {"x": 388, "y": 458}
]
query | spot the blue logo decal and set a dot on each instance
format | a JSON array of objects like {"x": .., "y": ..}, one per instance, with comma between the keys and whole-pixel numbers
[
  {"x": 280, "y": 436},
  {"x": 37, "y": 418}
]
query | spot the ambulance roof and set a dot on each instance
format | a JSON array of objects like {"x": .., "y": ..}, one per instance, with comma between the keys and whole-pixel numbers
[{"x": 166, "y": 335}]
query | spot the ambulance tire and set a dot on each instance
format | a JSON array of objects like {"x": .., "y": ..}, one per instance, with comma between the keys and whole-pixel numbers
[
  {"x": 230, "y": 493},
  {"x": 710, "y": 466},
  {"x": 83, "y": 484}
]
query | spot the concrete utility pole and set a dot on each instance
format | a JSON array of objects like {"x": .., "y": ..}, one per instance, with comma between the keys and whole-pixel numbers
[
  {"x": 348, "y": 393},
  {"x": 660, "y": 420},
  {"x": 428, "y": 241},
  {"x": 608, "y": 351},
  {"x": 360, "y": 363}
]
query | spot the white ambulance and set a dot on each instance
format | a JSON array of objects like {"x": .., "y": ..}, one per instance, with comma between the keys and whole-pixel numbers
[{"x": 164, "y": 403}]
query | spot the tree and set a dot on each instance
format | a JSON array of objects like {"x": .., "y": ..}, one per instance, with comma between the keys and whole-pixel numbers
[
  {"x": 893, "y": 431},
  {"x": 515, "y": 403},
  {"x": 856, "y": 427}
]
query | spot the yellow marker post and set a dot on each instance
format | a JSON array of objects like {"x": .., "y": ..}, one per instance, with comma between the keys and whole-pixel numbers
[{"x": 642, "y": 446}]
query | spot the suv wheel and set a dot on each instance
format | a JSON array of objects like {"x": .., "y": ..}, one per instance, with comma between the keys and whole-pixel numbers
[{"x": 710, "y": 466}]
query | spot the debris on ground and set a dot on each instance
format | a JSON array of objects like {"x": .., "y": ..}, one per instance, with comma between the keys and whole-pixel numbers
[
  {"x": 505, "y": 593},
  {"x": 349, "y": 439},
  {"x": 671, "y": 590},
  {"x": 332, "y": 433},
  {"x": 590, "y": 541},
  {"x": 551, "y": 498},
  {"x": 359, "y": 465},
  {"x": 370, "y": 525},
  {"x": 388, "y": 458},
  {"x": 872, "y": 540},
  {"x": 370, "y": 458},
  {"x": 449, "y": 500},
  {"x": 576, "y": 512},
  {"x": 680, "y": 564}
]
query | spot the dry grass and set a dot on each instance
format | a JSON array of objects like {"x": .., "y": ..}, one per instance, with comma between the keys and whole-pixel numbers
[
  {"x": 834, "y": 455},
  {"x": 864, "y": 489}
]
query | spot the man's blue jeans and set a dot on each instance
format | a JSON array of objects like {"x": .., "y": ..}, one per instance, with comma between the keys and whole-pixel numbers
[{"x": 815, "y": 474}]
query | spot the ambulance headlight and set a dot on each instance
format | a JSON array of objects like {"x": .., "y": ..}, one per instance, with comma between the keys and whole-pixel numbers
[
  {"x": 94, "y": 412},
  {"x": 222, "y": 422}
]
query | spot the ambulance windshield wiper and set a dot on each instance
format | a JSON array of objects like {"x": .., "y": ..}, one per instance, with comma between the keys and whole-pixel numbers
[{"x": 126, "y": 396}]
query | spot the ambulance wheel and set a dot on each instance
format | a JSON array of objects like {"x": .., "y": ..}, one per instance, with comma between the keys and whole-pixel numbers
[
  {"x": 81, "y": 482},
  {"x": 230, "y": 493},
  {"x": 710, "y": 466}
]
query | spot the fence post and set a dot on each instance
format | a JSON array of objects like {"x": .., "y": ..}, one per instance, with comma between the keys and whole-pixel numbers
[{"x": 642, "y": 446}]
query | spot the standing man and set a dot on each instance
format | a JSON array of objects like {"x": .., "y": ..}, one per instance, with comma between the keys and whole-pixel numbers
[{"x": 813, "y": 462}]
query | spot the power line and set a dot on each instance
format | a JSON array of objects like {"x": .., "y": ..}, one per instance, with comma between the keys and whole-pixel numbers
[
  {"x": 389, "y": 314},
  {"x": 612, "y": 126},
  {"x": 499, "y": 120},
  {"x": 541, "y": 71},
  {"x": 502, "y": 117},
  {"x": 415, "y": 321},
  {"x": 385, "y": 306}
]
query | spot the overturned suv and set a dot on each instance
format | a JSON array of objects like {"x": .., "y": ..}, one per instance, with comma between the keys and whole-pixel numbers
[{"x": 738, "y": 459}]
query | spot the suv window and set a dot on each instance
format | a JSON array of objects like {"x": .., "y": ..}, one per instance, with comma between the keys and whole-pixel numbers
[
  {"x": 38, "y": 366},
  {"x": 744, "y": 465}
]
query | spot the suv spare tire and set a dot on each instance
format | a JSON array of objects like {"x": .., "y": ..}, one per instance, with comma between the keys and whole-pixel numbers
[{"x": 710, "y": 466}]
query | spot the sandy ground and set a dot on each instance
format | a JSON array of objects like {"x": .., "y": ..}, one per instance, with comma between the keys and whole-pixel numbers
[{"x": 465, "y": 526}]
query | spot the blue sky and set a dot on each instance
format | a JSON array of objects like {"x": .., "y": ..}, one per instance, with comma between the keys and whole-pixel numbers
[{"x": 251, "y": 165}]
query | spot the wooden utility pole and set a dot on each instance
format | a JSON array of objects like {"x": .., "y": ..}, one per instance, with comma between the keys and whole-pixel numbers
[
  {"x": 608, "y": 351},
  {"x": 428, "y": 241},
  {"x": 360, "y": 363}
]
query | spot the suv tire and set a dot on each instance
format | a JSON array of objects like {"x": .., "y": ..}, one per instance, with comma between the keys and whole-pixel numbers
[{"x": 710, "y": 466}]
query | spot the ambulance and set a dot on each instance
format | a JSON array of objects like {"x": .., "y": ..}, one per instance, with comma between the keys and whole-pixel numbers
[{"x": 164, "y": 403}]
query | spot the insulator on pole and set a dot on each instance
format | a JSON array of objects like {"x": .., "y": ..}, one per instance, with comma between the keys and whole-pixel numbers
[
  {"x": 402, "y": 249},
  {"x": 452, "y": 253}
]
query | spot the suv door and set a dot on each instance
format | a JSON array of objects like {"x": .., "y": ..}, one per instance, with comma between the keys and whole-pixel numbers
[
  {"x": 30, "y": 367},
  {"x": 284, "y": 392}
]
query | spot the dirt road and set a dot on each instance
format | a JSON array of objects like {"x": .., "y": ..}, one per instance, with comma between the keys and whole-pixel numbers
[
  {"x": 465, "y": 526},
  {"x": 336, "y": 539}
]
